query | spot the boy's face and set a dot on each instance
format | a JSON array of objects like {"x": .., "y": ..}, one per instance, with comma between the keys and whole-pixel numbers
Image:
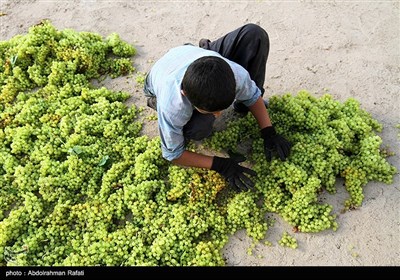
[{"x": 216, "y": 113}]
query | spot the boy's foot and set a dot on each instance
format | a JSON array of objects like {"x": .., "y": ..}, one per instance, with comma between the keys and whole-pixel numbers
[
  {"x": 205, "y": 44},
  {"x": 152, "y": 102}
]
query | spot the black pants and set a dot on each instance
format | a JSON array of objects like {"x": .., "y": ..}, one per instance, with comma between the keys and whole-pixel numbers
[{"x": 247, "y": 46}]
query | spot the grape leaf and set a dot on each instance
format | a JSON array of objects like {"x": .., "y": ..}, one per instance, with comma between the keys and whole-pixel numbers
[
  {"x": 76, "y": 150},
  {"x": 103, "y": 160},
  {"x": 13, "y": 59}
]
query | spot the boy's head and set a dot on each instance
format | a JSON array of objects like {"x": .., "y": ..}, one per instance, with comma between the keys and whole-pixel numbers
[{"x": 209, "y": 84}]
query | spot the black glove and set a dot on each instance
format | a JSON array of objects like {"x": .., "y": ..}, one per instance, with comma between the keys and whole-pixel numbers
[
  {"x": 233, "y": 172},
  {"x": 274, "y": 141}
]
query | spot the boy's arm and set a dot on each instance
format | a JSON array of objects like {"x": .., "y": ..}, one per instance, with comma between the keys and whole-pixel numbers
[
  {"x": 272, "y": 140},
  {"x": 191, "y": 159},
  {"x": 260, "y": 113}
]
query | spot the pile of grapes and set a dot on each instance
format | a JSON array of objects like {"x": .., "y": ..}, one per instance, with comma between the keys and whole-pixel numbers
[
  {"x": 80, "y": 185},
  {"x": 330, "y": 139}
]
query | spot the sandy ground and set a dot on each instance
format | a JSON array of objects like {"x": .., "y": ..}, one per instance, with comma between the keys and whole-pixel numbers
[{"x": 348, "y": 48}]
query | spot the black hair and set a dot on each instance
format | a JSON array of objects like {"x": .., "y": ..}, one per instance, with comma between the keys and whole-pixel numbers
[{"x": 209, "y": 84}]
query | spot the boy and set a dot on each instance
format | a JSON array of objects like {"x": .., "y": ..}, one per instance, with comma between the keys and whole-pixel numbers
[{"x": 190, "y": 86}]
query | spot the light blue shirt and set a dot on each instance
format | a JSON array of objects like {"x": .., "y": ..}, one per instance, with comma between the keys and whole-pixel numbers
[{"x": 174, "y": 109}]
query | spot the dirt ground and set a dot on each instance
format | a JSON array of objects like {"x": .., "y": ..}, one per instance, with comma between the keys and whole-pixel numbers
[{"x": 345, "y": 48}]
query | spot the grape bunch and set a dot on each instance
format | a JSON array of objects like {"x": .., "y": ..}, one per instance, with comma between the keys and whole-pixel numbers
[{"x": 288, "y": 241}]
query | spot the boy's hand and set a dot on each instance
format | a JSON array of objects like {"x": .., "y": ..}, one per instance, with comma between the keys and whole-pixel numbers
[
  {"x": 233, "y": 172},
  {"x": 274, "y": 141}
]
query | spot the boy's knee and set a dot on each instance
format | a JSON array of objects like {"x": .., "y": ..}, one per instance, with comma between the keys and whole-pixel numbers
[{"x": 256, "y": 31}]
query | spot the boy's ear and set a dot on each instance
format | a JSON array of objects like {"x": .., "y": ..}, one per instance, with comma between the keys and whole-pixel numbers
[{"x": 183, "y": 93}]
